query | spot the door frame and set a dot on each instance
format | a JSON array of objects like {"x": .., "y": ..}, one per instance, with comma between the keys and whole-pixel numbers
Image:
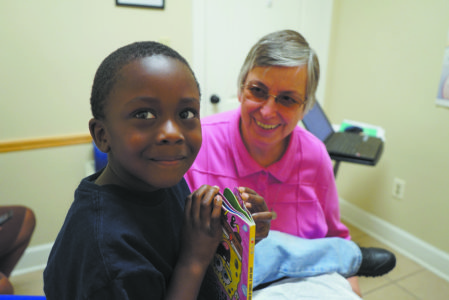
[{"x": 316, "y": 28}]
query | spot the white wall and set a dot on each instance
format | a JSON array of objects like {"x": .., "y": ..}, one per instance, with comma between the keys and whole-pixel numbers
[
  {"x": 385, "y": 65},
  {"x": 50, "y": 52}
]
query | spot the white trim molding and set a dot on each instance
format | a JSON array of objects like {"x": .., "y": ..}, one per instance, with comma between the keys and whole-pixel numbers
[
  {"x": 34, "y": 259},
  {"x": 430, "y": 257}
]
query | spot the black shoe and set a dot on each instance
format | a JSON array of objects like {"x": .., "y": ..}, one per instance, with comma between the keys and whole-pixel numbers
[{"x": 376, "y": 262}]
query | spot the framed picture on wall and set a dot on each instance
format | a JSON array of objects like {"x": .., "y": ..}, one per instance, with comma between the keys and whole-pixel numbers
[
  {"x": 443, "y": 87},
  {"x": 141, "y": 3}
]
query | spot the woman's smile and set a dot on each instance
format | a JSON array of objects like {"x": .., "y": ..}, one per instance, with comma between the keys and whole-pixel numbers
[{"x": 267, "y": 126}]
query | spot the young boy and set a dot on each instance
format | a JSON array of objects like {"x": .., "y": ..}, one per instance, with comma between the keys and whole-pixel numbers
[{"x": 133, "y": 231}]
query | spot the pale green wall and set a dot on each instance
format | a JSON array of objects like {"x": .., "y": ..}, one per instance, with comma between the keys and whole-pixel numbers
[
  {"x": 51, "y": 49},
  {"x": 384, "y": 68},
  {"x": 385, "y": 60},
  {"x": 49, "y": 53}
]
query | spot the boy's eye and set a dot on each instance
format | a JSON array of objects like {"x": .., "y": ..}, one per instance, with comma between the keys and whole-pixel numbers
[
  {"x": 146, "y": 114},
  {"x": 187, "y": 114}
]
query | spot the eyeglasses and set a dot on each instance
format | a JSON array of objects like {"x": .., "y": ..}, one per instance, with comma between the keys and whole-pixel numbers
[{"x": 260, "y": 94}]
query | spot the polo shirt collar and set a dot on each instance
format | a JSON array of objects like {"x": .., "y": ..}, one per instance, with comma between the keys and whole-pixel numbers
[{"x": 246, "y": 165}]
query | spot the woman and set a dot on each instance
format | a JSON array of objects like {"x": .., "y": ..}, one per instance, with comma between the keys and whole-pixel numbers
[{"x": 260, "y": 146}]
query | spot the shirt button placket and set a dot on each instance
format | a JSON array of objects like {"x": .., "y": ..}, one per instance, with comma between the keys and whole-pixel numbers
[{"x": 263, "y": 184}]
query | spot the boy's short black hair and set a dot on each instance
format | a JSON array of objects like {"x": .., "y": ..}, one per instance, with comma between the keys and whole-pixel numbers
[{"x": 107, "y": 72}]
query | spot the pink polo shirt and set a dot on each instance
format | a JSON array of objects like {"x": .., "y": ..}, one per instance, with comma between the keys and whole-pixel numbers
[{"x": 300, "y": 187}]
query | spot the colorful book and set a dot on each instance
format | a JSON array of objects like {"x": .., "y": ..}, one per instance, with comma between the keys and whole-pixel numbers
[{"x": 233, "y": 262}]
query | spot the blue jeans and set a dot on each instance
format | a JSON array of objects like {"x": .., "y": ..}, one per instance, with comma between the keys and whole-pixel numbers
[{"x": 284, "y": 255}]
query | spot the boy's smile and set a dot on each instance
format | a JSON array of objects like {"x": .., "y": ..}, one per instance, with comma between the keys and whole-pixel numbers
[{"x": 152, "y": 127}]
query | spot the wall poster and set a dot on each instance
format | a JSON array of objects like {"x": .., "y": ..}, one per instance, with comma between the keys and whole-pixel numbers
[
  {"x": 443, "y": 87},
  {"x": 142, "y": 3}
]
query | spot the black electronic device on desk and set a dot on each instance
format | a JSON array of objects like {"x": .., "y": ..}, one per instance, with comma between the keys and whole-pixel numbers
[{"x": 349, "y": 146}]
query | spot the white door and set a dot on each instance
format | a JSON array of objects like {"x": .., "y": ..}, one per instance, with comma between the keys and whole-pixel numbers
[{"x": 225, "y": 30}]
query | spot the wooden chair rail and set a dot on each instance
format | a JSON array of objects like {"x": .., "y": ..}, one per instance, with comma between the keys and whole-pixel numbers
[{"x": 44, "y": 142}]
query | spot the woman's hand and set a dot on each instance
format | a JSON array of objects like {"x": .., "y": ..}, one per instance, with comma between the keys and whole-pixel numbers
[{"x": 259, "y": 211}]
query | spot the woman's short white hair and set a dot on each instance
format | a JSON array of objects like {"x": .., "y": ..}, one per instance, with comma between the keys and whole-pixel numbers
[{"x": 286, "y": 48}]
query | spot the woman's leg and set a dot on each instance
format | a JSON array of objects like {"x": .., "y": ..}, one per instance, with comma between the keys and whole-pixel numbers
[
  {"x": 328, "y": 286},
  {"x": 283, "y": 255}
]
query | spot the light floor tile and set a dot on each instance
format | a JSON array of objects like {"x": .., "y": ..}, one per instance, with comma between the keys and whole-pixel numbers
[
  {"x": 390, "y": 292},
  {"x": 404, "y": 266},
  {"x": 368, "y": 284},
  {"x": 30, "y": 284},
  {"x": 426, "y": 285}
]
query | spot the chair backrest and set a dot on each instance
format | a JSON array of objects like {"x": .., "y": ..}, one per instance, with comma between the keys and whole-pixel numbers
[
  {"x": 317, "y": 122},
  {"x": 101, "y": 158}
]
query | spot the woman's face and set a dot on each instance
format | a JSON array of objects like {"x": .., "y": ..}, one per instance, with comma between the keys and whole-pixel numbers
[{"x": 266, "y": 123}]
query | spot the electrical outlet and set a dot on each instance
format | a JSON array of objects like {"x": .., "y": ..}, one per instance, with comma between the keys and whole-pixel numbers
[{"x": 398, "y": 188}]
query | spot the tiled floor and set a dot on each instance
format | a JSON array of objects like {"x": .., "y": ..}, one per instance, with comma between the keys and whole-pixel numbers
[{"x": 408, "y": 281}]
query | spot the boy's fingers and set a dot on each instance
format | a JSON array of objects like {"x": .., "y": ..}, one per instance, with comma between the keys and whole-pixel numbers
[
  {"x": 188, "y": 208},
  {"x": 196, "y": 202},
  {"x": 215, "y": 224},
  {"x": 206, "y": 206},
  {"x": 216, "y": 209},
  {"x": 194, "y": 214}
]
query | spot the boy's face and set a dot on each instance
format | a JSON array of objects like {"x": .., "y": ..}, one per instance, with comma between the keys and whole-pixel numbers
[{"x": 152, "y": 124}]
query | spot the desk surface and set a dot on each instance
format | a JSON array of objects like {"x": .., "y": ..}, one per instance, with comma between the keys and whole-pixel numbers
[{"x": 339, "y": 158}]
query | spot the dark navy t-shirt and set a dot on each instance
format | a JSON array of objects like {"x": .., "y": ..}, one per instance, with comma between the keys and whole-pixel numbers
[{"x": 116, "y": 243}]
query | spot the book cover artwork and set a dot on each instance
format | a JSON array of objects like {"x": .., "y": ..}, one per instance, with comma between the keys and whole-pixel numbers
[{"x": 233, "y": 261}]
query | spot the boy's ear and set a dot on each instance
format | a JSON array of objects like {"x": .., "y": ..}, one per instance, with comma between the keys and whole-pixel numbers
[{"x": 98, "y": 132}]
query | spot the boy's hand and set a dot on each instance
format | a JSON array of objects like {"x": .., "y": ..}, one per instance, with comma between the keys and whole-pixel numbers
[
  {"x": 200, "y": 237},
  {"x": 202, "y": 225},
  {"x": 259, "y": 211}
]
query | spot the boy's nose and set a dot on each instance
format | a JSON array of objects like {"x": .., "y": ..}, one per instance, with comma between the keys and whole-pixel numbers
[{"x": 170, "y": 133}]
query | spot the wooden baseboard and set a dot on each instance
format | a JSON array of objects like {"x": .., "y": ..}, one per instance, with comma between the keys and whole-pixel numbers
[{"x": 44, "y": 142}]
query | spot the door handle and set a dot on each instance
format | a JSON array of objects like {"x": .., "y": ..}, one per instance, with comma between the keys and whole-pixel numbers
[{"x": 214, "y": 99}]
